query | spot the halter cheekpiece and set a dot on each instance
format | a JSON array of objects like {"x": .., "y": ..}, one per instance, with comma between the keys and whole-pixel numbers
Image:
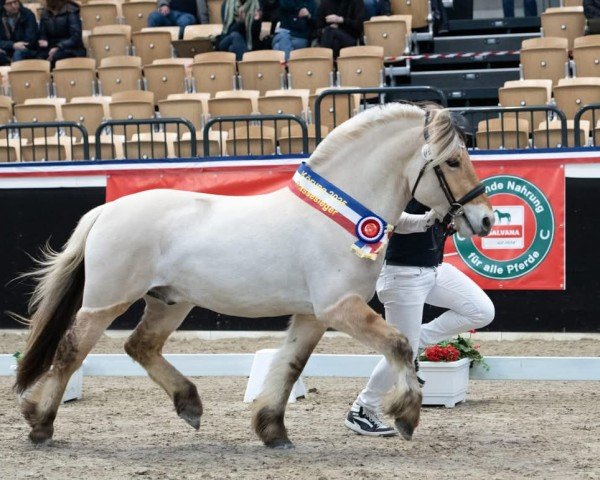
[{"x": 456, "y": 206}]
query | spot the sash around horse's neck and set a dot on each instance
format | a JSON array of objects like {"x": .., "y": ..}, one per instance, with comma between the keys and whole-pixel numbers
[{"x": 371, "y": 230}]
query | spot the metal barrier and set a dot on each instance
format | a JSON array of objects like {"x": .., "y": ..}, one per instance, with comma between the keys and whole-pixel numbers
[
  {"x": 49, "y": 141},
  {"x": 257, "y": 133},
  {"x": 366, "y": 96},
  {"x": 504, "y": 131},
  {"x": 142, "y": 126},
  {"x": 591, "y": 107}
]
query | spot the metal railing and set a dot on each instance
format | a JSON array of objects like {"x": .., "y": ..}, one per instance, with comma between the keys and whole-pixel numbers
[
  {"x": 370, "y": 96},
  {"x": 43, "y": 141},
  {"x": 594, "y": 113},
  {"x": 231, "y": 123},
  {"x": 502, "y": 128},
  {"x": 141, "y": 126}
]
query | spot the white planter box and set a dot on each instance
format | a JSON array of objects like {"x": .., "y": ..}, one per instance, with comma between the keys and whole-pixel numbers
[
  {"x": 74, "y": 387},
  {"x": 446, "y": 383}
]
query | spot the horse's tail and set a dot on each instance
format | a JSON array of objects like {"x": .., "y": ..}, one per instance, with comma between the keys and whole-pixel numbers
[{"x": 55, "y": 301}]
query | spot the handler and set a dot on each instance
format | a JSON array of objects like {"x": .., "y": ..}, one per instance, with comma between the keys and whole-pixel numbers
[{"x": 414, "y": 274}]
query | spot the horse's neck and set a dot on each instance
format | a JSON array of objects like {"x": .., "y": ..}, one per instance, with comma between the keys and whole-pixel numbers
[{"x": 373, "y": 172}]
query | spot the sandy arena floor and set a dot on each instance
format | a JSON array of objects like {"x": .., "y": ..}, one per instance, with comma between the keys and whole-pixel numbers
[{"x": 127, "y": 428}]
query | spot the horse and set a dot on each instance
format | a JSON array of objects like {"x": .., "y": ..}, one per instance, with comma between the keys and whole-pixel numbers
[
  {"x": 312, "y": 250},
  {"x": 502, "y": 215}
]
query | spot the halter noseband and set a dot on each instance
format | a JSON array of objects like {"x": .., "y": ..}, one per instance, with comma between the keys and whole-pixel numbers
[{"x": 456, "y": 206}]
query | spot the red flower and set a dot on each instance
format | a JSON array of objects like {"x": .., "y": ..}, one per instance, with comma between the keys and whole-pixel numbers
[
  {"x": 438, "y": 353},
  {"x": 473, "y": 331}
]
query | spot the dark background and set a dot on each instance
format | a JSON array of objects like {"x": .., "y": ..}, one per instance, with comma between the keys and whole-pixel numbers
[{"x": 30, "y": 217}]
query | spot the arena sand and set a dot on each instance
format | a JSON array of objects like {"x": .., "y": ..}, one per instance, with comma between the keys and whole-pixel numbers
[{"x": 125, "y": 428}]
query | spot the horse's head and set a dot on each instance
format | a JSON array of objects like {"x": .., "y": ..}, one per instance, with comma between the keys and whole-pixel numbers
[{"x": 444, "y": 179}]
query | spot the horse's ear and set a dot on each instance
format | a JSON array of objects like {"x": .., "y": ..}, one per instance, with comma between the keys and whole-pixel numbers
[{"x": 463, "y": 126}]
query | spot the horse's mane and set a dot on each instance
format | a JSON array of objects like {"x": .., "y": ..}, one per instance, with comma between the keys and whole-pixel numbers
[{"x": 445, "y": 135}]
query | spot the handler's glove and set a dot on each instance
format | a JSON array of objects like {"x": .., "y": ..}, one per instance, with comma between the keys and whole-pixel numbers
[{"x": 429, "y": 219}]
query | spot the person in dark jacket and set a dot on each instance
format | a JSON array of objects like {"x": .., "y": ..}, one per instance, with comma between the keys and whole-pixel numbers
[
  {"x": 296, "y": 25},
  {"x": 591, "y": 10},
  {"x": 375, "y": 8},
  {"x": 18, "y": 32},
  {"x": 179, "y": 13},
  {"x": 60, "y": 31},
  {"x": 242, "y": 21},
  {"x": 340, "y": 23}
]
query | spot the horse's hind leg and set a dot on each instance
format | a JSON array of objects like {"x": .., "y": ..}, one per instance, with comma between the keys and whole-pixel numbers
[
  {"x": 269, "y": 408},
  {"x": 40, "y": 403},
  {"x": 353, "y": 316},
  {"x": 145, "y": 346}
]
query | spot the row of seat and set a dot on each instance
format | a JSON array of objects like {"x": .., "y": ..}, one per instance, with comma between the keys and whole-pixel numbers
[{"x": 264, "y": 70}]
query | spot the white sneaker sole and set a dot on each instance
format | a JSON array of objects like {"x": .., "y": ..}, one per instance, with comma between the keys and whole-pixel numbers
[{"x": 357, "y": 429}]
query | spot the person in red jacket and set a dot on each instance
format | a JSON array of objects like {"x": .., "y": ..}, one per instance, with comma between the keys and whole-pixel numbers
[{"x": 339, "y": 24}]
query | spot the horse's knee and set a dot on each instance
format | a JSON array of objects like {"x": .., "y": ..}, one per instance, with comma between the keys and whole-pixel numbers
[{"x": 401, "y": 349}]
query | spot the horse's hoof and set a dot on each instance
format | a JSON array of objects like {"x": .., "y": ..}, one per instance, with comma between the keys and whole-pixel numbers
[
  {"x": 191, "y": 419},
  {"x": 41, "y": 435},
  {"x": 405, "y": 429},
  {"x": 280, "y": 444}
]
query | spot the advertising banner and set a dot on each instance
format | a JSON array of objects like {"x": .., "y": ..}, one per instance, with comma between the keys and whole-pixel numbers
[{"x": 526, "y": 247}]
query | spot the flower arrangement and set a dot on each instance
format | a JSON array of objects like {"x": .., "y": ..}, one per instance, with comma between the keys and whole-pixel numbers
[{"x": 453, "y": 350}]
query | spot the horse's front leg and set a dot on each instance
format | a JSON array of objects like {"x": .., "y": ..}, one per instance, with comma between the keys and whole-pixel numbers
[
  {"x": 353, "y": 316},
  {"x": 269, "y": 408}
]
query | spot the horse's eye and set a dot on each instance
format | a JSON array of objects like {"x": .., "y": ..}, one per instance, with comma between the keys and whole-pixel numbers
[{"x": 453, "y": 162}]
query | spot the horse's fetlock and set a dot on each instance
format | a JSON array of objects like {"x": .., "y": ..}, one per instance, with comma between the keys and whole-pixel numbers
[{"x": 268, "y": 425}]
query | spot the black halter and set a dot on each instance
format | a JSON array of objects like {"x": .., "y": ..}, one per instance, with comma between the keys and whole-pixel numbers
[{"x": 456, "y": 206}]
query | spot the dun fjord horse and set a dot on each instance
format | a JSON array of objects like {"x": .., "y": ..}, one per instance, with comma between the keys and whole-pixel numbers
[{"x": 313, "y": 249}]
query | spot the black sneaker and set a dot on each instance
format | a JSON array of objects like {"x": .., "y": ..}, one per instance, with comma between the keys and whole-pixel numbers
[{"x": 366, "y": 422}]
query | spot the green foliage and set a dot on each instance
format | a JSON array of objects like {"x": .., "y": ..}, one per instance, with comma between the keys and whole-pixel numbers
[{"x": 17, "y": 356}]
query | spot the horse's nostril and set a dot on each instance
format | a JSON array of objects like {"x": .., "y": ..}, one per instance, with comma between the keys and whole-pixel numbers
[{"x": 486, "y": 224}]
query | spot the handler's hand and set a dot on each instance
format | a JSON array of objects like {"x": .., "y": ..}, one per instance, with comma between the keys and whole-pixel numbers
[{"x": 429, "y": 218}]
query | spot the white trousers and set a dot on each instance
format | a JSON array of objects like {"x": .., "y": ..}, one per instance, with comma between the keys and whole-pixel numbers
[{"x": 404, "y": 291}]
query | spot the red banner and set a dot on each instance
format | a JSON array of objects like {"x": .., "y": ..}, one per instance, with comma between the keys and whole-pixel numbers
[
  {"x": 236, "y": 180},
  {"x": 526, "y": 248}
]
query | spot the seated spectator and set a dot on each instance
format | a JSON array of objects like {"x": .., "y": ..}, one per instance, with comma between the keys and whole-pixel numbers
[
  {"x": 340, "y": 24},
  {"x": 529, "y": 7},
  {"x": 18, "y": 32},
  {"x": 179, "y": 13},
  {"x": 241, "y": 26},
  {"x": 60, "y": 31},
  {"x": 374, "y": 8},
  {"x": 296, "y": 25},
  {"x": 440, "y": 17}
]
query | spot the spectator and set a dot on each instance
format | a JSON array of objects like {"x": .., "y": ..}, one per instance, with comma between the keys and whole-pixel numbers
[
  {"x": 241, "y": 26},
  {"x": 296, "y": 25},
  {"x": 18, "y": 32},
  {"x": 440, "y": 17},
  {"x": 60, "y": 31},
  {"x": 591, "y": 10},
  {"x": 179, "y": 13},
  {"x": 340, "y": 24},
  {"x": 529, "y": 6},
  {"x": 374, "y": 8}
]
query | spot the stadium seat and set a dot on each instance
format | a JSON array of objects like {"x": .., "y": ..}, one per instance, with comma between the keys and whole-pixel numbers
[
  {"x": 311, "y": 68},
  {"x": 262, "y": 70},
  {"x": 564, "y": 22},
  {"x": 10, "y": 151},
  {"x": 206, "y": 30},
  {"x": 100, "y": 13},
  {"x": 119, "y": 73},
  {"x": 232, "y": 102},
  {"x": 214, "y": 11},
  {"x": 31, "y": 80},
  {"x": 545, "y": 57},
  {"x": 173, "y": 31},
  {"x": 214, "y": 72},
  {"x": 419, "y": 10},
  {"x": 152, "y": 45},
  {"x": 6, "y": 114},
  {"x": 74, "y": 77},
  {"x": 46, "y": 150},
  {"x": 573, "y": 93},
  {"x": 164, "y": 79},
  {"x": 290, "y": 139},
  {"x": 251, "y": 140},
  {"x": 284, "y": 103},
  {"x": 361, "y": 66},
  {"x": 502, "y": 133},
  {"x": 132, "y": 105},
  {"x": 216, "y": 144},
  {"x": 37, "y": 113},
  {"x": 191, "y": 109},
  {"x": 393, "y": 33},
  {"x": 109, "y": 41},
  {"x": 136, "y": 13},
  {"x": 586, "y": 56},
  {"x": 90, "y": 114},
  {"x": 335, "y": 109},
  {"x": 111, "y": 148},
  {"x": 149, "y": 145},
  {"x": 526, "y": 93},
  {"x": 548, "y": 135}
]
